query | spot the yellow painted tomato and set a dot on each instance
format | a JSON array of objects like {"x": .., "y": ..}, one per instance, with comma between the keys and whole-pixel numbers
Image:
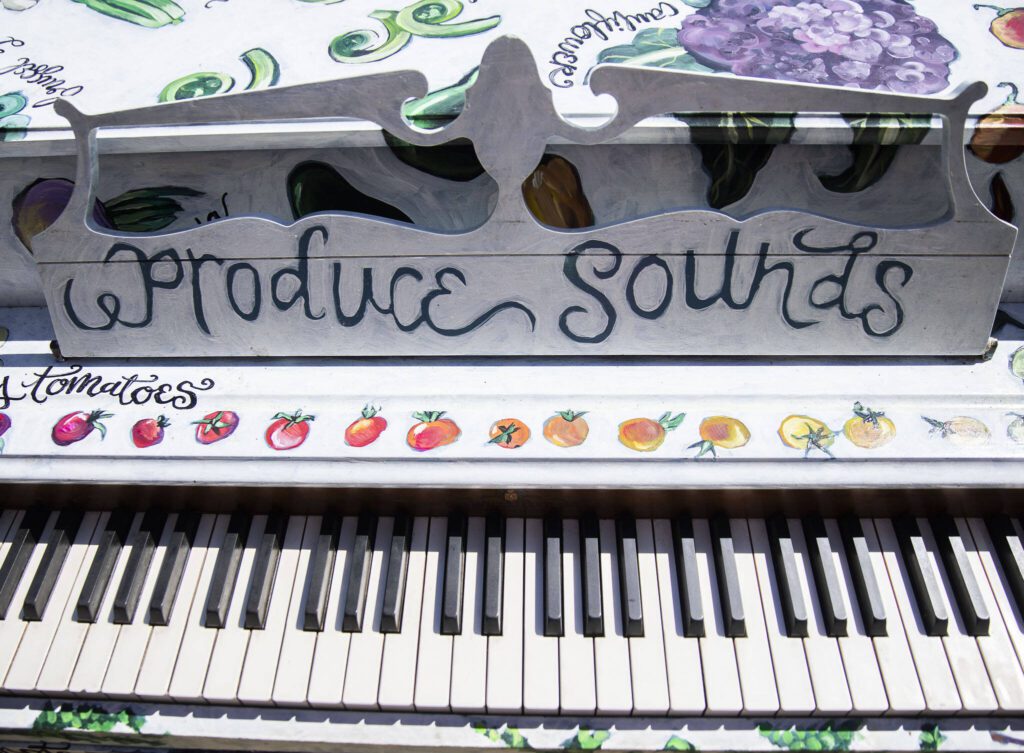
[
  {"x": 806, "y": 433},
  {"x": 720, "y": 432},
  {"x": 646, "y": 434},
  {"x": 963, "y": 431},
  {"x": 868, "y": 428}
]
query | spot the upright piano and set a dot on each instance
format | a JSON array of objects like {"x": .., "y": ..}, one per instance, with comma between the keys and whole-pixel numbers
[{"x": 401, "y": 401}]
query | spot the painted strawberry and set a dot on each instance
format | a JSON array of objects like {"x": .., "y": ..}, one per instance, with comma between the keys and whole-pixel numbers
[
  {"x": 216, "y": 426},
  {"x": 431, "y": 431},
  {"x": 74, "y": 427},
  {"x": 288, "y": 431},
  {"x": 365, "y": 430},
  {"x": 149, "y": 431},
  {"x": 5, "y": 424}
]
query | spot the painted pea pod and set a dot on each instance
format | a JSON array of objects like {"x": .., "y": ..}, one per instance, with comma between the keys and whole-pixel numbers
[
  {"x": 366, "y": 45},
  {"x": 429, "y": 18}
]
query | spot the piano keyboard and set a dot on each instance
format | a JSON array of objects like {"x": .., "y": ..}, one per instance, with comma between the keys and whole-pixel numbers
[{"x": 470, "y": 614}]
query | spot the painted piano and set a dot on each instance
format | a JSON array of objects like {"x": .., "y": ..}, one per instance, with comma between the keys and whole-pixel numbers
[{"x": 511, "y": 376}]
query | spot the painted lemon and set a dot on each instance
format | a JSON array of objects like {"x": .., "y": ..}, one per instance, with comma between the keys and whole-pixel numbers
[
  {"x": 806, "y": 433},
  {"x": 868, "y": 428},
  {"x": 720, "y": 432}
]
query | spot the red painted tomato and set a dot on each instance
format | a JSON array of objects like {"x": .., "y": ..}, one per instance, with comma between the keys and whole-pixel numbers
[
  {"x": 216, "y": 426},
  {"x": 74, "y": 427},
  {"x": 365, "y": 430},
  {"x": 288, "y": 431},
  {"x": 149, "y": 431}
]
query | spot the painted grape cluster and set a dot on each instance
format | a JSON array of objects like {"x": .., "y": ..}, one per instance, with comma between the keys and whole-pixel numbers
[{"x": 870, "y": 44}]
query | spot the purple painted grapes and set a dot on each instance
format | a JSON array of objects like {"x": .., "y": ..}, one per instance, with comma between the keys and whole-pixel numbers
[{"x": 870, "y": 44}]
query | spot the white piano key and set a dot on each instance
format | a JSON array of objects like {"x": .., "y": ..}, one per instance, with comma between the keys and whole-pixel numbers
[
  {"x": 98, "y": 645},
  {"x": 1001, "y": 589},
  {"x": 753, "y": 653},
  {"x": 228, "y": 656},
  {"x": 792, "y": 678},
  {"x": 540, "y": 653},
  {"x": 397, "y": 682},
  {"x": 611, "y": 651},
  {"x": 38, "y": 636},
  {"x": 962, "y": 650},
  {"x": 867, "y": 691},
  {"x": 434, "y": 661},
  {"x": 330, "y": 658},
  {"x": 165, "y": 641},
  {"x": 261, "y": 657},
  {"x": 717, "y": 653},
  {"x": 197, "y": 642},
  {"x": 940, "y": 692},
  {"x": 12, "y": 626},
  {"x": 362, "y": 675},
  {"x": 682, "y": 654},
  {"x": 996, "y": 648},
  {"x": 130, "y": 649},
  {"x": 291, "y": 681},
  {"x": 895, "y": 660},
  {"x": 647, "y": 652},
  {"x": 469, "y": 649},
  {"x": 577, "y": 690},
  {"x": 505, "y": 651},
  {"x": 824, "y": 661}
]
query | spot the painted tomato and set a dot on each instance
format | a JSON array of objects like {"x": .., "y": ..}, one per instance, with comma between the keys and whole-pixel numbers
[
  {"x": 720, "y": 432},
  {"x": 74, "y": 427},
  {"x": 288, "y": 431},
  {"x": 963, "y": 431},
  {"x": 646, "y": 434},
  {"x": 149, "y": 431},
  {"x": 1015, "y": 430},
  {"x": 216, "y": 426},
  {"x": 806, "y": 433},
  {"x": 868, "y": 428},
  {"x": 509, "y": 433},
  {"x": 431, "y": 430},
  {"x": 365, "y": 430},
  {"x": 566, "y": 428}
]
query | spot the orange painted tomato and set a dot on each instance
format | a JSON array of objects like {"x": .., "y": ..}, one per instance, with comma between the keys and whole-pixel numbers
[
  {"x": 720, "y": 432},
  {"x": 366, "y": 429},
  {"x": 646, "y": 434},
  {"x": 431, "y": 430},
  {"x": 566, "y": 428},
  {"x": 509, "y": 433}
]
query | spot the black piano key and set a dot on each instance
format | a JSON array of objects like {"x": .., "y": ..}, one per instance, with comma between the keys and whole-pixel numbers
[
  {"x": 264, "y": 571},
  {"x": 826, "y": 578},
  {"x": 46, "y": 575},
  {"x": 629, "y": 579},
  {"x": 554, "y": 624},
  {"x": 923, "y": 578},
  {"x": 454, "y": 575},
  {"x": 969, "y": 601},
  {"x": 359, "y": 574},
  {"x": 225, "y": 571},
  {"x": 688, "y": 585},
  {"x": 97, "y": 580},
  {"x": 729, "y": 596},
  {"x": 590, "y": 547},
  {"x": 126, "y": 600},
  {"x": 494, "y": 575},
  {"x": 394, "y": 585},
  {"x": 791, "y": 600},
  {"x": 1010, "y": 552},
  {"x": 168, "y": 580},
  {"x": 865, "y": 585},
  {"x": 25, "y": 537},
  {"x": 321, "y": 569}
]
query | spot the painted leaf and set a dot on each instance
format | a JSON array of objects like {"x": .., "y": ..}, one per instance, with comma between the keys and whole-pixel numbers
[
  {"x": 698, "y": 3},
  {"x": 656, "y": 39},
  {"x": 587, "y": 739},
  {"x": 513, "y": 738},
  {"x": 654, "y": 48},
  {"x": 876, "y": 141},
  {"x": 438, "y": 107},
  {"x": 677, "y": 743}
]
